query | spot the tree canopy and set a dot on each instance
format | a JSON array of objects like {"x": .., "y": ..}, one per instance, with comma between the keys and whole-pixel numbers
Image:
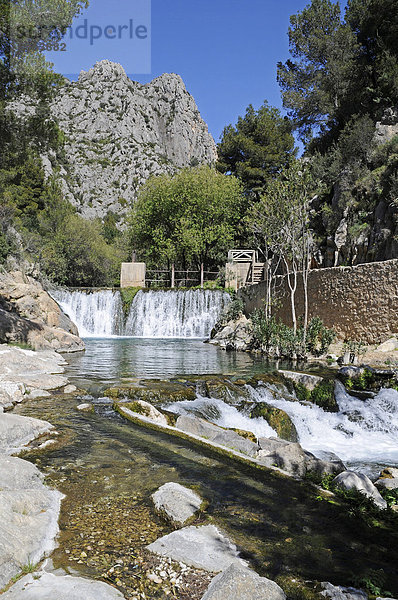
[
  {"x": 340, "y": 67},
  {"x": 189, "y": 218},
  {"x": 256, "y": 148}
]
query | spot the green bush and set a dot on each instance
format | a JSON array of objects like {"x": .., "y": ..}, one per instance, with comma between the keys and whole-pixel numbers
[
  {"x": 319, "y": 337},
  {"x": 274, "y": 336},
  {"x": 234, "y": 310},
  {"x": 4, "y": 248}
]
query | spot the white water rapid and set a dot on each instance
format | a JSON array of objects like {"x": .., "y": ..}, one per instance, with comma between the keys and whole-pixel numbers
[
  {"x": 222, "y": 414},
  {"x": 153, "y": 314},
  {"x": 363, "y": 431},
  {"x": 175, "y": 314}
]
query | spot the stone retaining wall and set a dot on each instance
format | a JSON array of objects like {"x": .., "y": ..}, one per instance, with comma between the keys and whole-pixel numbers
[{"x": 360, "y": 302}]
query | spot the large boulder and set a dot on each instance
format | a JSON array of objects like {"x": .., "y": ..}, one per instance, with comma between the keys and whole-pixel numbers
[
  {"x": 203, "y": 547},
  {"x": 241, "y": 583},
  {"x": 349, "y": 480},
  {"x": 305, "y": 379},
  {"x": 27, "y": 372},
  {"x": 28, "y": 516},
  {"x": 235, "y": 335},
  {"x": 177, "y": 502},
  {"x": 216, "y": 434},
  {"x": 47, "y": 586},
  {"x": 144, "y": 409},
  {"x": 29, "y": 315},
  {"x": 17, "y": 431},
  {"x": 388, "y": 479},
  {"x": 293, "y": 459},
  {"x": 338, "y": 592}
]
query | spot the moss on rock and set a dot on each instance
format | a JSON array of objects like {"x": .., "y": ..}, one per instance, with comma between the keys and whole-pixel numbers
[{"x": 276, "y": 418}]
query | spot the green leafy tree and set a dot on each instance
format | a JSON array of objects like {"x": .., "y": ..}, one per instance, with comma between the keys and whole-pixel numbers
[
  {"x": 189, "y": 218},
  {"x": 78, "y": 255},
  {"x": 375, "y": 24},
  {"x": 256, "y": 148},
  {"x": 316, "y": 81}
]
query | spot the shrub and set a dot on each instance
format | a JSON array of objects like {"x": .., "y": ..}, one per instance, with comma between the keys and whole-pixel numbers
[
  {"x": 234, "y": 310},
  {"x": 319, "y": 337}
]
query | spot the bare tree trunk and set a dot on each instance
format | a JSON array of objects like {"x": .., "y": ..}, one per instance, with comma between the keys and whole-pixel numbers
[{"x": 292, "y": 283}]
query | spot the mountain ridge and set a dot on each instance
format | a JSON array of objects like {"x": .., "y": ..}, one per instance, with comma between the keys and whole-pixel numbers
[{"x": 119, "y": 132}]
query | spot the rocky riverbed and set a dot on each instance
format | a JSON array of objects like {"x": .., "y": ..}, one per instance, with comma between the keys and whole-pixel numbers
[{"x": 168, "y": 543}]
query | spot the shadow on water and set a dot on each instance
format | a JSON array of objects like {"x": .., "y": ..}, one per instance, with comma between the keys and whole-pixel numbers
[{"x": 277, "y": 522}]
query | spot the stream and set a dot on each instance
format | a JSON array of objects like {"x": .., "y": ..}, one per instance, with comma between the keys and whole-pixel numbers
[{"x": 108, "y": 468}]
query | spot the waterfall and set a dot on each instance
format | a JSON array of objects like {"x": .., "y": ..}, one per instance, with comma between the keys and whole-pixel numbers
[
  {"x": 153, "y": 314},
  {"x": 96, "y": 314},
  {"x": 363, "y": 431},
  {"x": 175, "y": 314}
]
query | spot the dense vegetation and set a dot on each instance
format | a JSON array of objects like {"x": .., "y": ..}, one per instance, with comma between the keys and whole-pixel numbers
[
  {"x": 190, "y": 218},
  {"x": 35, "y": 221}
]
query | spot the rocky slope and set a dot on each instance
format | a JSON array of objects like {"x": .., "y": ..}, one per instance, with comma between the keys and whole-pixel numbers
[
  {"x": 119, "y": 132},
  {"x": 29, "y": 315},
  {"x": 358, "y": 223}
]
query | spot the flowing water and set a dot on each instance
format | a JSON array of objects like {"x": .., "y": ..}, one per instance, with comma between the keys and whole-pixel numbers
[
  {"x": 108, "y": 467},
  {"x": 160, "y": 314},
  {"x": 364, "y": 433}
]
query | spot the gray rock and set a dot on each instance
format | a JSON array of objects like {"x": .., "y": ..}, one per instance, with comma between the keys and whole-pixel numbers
[
  {"x": 238, "y": 582},
  {"x": 337, "y": 592},
  {"x": 37, "y": 393},
  {"x": 70, "y": 389},
  {"x": 86, "y": 407},
  {"x": 388, "y": 346},
  {"x": 216, "y": 434},
  {"x": 18, "y": 474},
  {"x": 11, "y": 393},
  {"x": 235, "y": 335},
  {"x": 47, "y": 586},
  {"x": 387, "y": 483},
  {"x": 178, "y": 502},
  {"x": 308, "y": 381},
  {"x": 119, "y": 132},
  {"x": 29, "y": 315},
  {"x": 293, "y": 459},
  {"x": 358, "y": 481},
  {"x": 200, "y": 547},
  {"x": 147, "y": 410},
  {"x": 28, "y": 516},
  {"x": 17, "y": 431}
]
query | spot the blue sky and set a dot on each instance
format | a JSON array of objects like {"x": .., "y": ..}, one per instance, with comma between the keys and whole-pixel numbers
[{"x": 226, "y": 51}]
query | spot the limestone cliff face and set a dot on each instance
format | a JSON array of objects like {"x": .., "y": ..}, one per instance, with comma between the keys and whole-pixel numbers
[{"x": 119, "y": 132}]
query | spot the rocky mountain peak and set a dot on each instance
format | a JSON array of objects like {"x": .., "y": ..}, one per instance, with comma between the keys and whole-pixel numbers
[
  {"x": 103, "y": 70},
  {"x": 118, "y": 132}
]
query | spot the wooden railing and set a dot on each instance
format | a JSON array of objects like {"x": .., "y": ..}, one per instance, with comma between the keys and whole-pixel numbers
[{"x": 178, "y": 278}]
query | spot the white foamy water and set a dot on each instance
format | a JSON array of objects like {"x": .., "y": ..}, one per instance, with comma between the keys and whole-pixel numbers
[
  {"x": 153, "y": 314},
  {"x": 96, "y": 314},
  {"x": 175, "y": 314},
  {"x": 363, "y": 431},
  {"x": 222, "y": 414}
]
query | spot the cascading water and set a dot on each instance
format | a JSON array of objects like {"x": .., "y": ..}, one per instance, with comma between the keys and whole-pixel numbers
[
  {"x": 96, "y": 314},
  {"x": 153, "y": 314},
  {"x": 363, "y": 431},
  {"x": 175, "y": 314},
  {"x": 222, "y": 414}
]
